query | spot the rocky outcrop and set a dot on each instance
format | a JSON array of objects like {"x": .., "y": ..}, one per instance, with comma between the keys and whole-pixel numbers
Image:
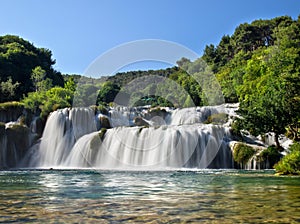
[
  {"x": 139, "y": 121},
  {"x": 15, "y": 140},
  {"x": 10, "y": 111},
  {"x": 250, "y": 156}
]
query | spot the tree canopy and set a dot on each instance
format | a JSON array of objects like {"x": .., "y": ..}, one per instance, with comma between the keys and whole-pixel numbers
[
  {"x": 259, "y": 66},
  {"x": 18, "y": 58}
]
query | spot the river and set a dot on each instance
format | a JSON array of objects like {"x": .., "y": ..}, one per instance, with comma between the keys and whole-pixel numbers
[{"x": 169, "y": 196}]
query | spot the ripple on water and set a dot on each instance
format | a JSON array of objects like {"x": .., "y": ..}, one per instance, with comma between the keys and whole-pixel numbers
[{"x": 140, "y": 197}]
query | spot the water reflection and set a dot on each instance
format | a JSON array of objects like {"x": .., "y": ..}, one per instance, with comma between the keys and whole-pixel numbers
[{"x": 175, "y": 196}]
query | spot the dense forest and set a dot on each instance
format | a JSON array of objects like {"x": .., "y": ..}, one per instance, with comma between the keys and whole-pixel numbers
[{"x": 257, "y": 66}]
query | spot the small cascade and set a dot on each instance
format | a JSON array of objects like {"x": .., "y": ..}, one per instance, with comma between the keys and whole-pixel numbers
[
  {"x": 119, "y": 118},
  {"x": 194, "y": 115},
  {"x": 63, "y": 129}
]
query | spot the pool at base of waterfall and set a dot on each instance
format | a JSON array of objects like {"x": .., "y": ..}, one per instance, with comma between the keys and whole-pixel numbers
[{"x": 169, "y": 196}]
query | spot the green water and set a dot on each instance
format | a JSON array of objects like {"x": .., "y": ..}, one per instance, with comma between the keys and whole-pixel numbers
[{"x": 205, "y": 196}]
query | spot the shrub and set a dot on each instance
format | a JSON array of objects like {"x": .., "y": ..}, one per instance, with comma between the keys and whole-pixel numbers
[
  {"x": 270, "y": 154},
  {"x": 48, "y": 101},
  {"x": 242, "y": 153},
  {"x": 290, "y": 164}
]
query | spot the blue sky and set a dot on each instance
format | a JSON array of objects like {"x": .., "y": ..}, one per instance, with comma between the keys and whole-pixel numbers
[{"x": 78, "y": 31}]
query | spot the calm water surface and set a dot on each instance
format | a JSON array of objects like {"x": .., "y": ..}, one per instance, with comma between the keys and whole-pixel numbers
[{"x": 206, "y": 196}]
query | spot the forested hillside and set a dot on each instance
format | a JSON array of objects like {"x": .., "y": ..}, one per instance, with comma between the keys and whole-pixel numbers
[{"x": 22, "y": 65}]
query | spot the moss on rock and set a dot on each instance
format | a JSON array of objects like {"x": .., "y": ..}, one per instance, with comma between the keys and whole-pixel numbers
[
  {"x": 18, "y": 142},
  {"x": 220, "y": 118},
  {"x": 242, "y": 153},
  {"x": 102, "y": 133},
  {"x": 10, "y": 111}
]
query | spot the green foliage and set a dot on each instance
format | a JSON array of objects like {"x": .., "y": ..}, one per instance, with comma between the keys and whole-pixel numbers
[
  {"x": 86, "y": 95},
  {"x": 48, "y": 101},
  {"x": 270, "y": 93},
  {"x": 123, "y": 78},
  {"x": 40, "y": 82},
  {"x": 70, "y": 84},
  {"x": 102, "y": 109},
  {"x": 108, "y": 92},
  {"x": 13, "y": 104},
  {"x": 242, "y": 153},
  {"x": 56, "y": 98},
  {"x": 263, "y": 75},
  {"x": 8, "y": 90},
  {"x": 271, "y": 154},
  {"x": 246, "y": 38},
  {"x": 18, "y": 58},
  {"x": 154, "y": 101},
  {"x": 290, "y": 164},
  {"x": 186, "y": 81}
]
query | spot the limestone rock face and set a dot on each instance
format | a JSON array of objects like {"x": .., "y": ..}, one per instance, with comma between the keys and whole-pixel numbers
[
  {"x": 11, "y": 111},
  {"x": 15, "y": 141}
]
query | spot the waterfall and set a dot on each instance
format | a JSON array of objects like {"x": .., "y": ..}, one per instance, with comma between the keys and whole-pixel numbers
[
  {"x": 133, "y": 139},
  {"x": 62, "y": 130},
  {"x": 71, "y": 139},
  {"x": 193, "y": 146}
]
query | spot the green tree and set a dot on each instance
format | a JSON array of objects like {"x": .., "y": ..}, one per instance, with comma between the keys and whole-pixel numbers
[
  {"x": 8, "y": 89},
  {"x": 270, "y": 96},
  {"x": 19, "y": 57},
  {"x": 40, "y": 82},
  {"x": 70, "y": 84},
  {"x": 108, "y": 92},
  {"x": 44, "y": 102}
]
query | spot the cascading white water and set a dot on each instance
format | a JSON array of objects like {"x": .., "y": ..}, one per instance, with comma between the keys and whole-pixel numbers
[
  {"x": 63, "y": 129},
  {"x": 71, "y": 139},
  {"x": 151, "y": 148}
]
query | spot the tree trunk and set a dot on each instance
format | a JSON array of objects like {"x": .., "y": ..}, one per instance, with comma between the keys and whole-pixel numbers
[{"x": 277, "y": 141}]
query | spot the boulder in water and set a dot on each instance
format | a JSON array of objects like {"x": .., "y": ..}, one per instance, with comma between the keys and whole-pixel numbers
[
  {"x": 139, "y": 121},
  {"x": 104, "y": 122}
]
